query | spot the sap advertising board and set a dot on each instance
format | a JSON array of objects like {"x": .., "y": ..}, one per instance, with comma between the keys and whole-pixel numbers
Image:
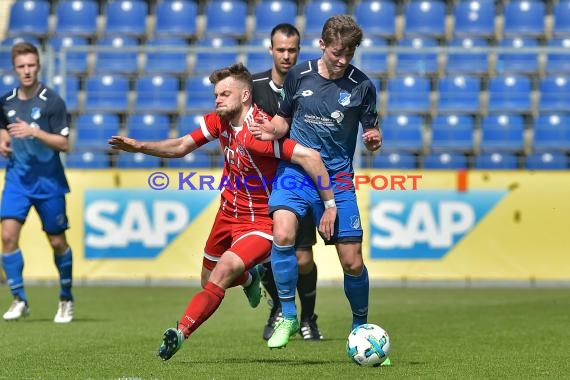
[
  {"x": 138, "y": 224},
  {"x": 424, "y": 224}
]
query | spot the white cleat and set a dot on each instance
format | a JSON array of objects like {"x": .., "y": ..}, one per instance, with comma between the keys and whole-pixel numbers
[
  {"x": 17, "y": 310},
  {"x": 64, "y": 312}
]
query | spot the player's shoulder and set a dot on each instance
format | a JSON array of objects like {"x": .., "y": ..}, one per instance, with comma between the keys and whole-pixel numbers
[
  {"x": 9, "y": 95},
  {"x": 264, "y": 76},
  {"x": 354, "y": 74},
  {"x": 305, "y": 68}
]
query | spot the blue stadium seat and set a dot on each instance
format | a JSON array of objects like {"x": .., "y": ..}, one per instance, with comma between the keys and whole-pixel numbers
[
  {"x": 71, "y": 93},
  {"x": 257, "y": 61},
  {"x": 524, "y": 18},
  {"x": 137, "y": 161},
  {"x": 561, "y": 19},
  {"x": 474, "y": 19},
  {"x": 212, "y": 58},
  {"x": 159, "y": 60},
  {"x": 551, "y": 133},
  {"x": 107, "y": 93},
  {"x": 376, "y": 17},
  {"x": 28, "y": 18},
  {"x": 510, "y": 94},
  {"x": 189, "y": 122},
  {"x": 408, "y": 94},
  {"x": 546, "y": 161},
  {"x": 156, "y": 93},
  {"x": 317, "y": 12},
  {"x": 459, "y": 94},
  {"x": 554, "y": 94},
  {"x": 199, "y": 94},
  {"x": 75, "y": 61},
  {"x": 446, "y": 161},
  {"x": 452, "y": 133},
  {"x": 117, "y": 55},
  {"x": 517, "y": 63},
  {"x": 225, "y": 18},
  {"x": 402, "y": 133},
  {"x": 269, "y": 13},
  {"x": 502, "y": 133},
  {"x": 176, "y": 18},
  {"x": 496, "y": 161},
  {"x": 92, "y": 130},
  {"x": 8, "y": 83},
  {"x": 148, "y": 126},
  {"x": 125, "y": 18},
  {"x": 86, "y": 159},
  {"x": 310, "y": 49},
  {"x": 558, "y": 62},
  {"x": 417, "y": 62},
  {"x": 394, "y": 161},
  {"x": 199, "y": 159},
  {"x": 76, "y": 18},
  {"x": 373, "y": 63},
  {"x": 467, "y": 63},
  {"x": 424, "y": 18}
]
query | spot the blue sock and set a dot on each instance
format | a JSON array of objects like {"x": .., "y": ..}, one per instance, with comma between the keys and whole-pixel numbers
[
  {"x": 13, "y": 264},
  {"x": 284, "y": 265},
  {"x": 64, "y": 264},
  {"x": 356, "y": 289}
]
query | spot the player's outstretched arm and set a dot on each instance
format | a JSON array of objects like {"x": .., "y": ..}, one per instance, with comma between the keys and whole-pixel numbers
[
  {"x": 311, "y": 161},
  {"x": 169, "y": 148},
  {"x": 267, "y": 130}
]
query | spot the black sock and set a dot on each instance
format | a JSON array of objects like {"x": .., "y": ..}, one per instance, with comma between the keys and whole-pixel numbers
[
  {"x": 307, "y": 289},
  {"x": 269, "y": 284}
]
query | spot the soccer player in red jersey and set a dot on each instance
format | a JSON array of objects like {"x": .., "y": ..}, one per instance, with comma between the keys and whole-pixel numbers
[{"x": 241, "y": 235}]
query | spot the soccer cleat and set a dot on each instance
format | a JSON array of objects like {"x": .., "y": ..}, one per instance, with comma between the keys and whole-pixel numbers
[
  {"x": 309, "y": 329},
  {"x": 284, "y": 329},
  {"x": 386, "y": 363},
  {"x": 17, "y": 309},
  {"x": 64, "y": 312},
  {"x": 253, "y": 291},
  {"x": 171, "y": 342},
  {"x": 274, "y": 316}
]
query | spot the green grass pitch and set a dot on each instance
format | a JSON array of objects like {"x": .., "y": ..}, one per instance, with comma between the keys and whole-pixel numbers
[{"x": 436, "y": 334}]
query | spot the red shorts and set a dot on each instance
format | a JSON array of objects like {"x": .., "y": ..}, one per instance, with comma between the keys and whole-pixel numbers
[{"x": 251, "y": 241}]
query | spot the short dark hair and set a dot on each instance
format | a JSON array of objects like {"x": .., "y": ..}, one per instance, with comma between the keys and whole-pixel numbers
[
  {"x": 289, "y": 30},
  {"x": 21, "y": 48},
  {"x": 237, "y": 71},
  {"x": 344, "y": 29}
]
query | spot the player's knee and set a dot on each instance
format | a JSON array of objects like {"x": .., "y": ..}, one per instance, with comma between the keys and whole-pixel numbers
[
  {"x": 283, "y": 235},
  {"x": 58, "y": 243},
  {"x": 352, "y": 267}
]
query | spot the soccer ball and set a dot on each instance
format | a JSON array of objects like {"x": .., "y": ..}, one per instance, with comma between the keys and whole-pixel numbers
[{"x": 368, "y": 345}]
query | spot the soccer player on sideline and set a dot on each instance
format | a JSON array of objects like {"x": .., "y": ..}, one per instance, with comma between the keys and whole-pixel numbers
[
  {"x": 34, "y": 128},
  {"x": 267, "y": 93},
  {"x": 241, "y": 234},
  {"x": 325, "y": 100}
]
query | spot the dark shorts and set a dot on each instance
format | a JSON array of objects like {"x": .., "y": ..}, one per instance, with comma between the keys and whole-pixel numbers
[{"x": 306, "y": 232}]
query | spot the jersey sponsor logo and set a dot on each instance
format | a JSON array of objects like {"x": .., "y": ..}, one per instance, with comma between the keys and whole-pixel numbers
[
  {"x": 137, "y": 224},
  {"x": 425, "y": 224},
  {"x": 344, "y": 98},
  {"x": 337, "y": 116},
  {"x": 36, "y": 113},
  {"x": 11, "y": 113},
  {"x": 307, "y": 93}
]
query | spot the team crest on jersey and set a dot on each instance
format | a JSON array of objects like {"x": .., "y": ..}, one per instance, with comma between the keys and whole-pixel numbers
[
  {"x": 36, "y": 113},
  {"x": 344, "y": 98},
  {"x": 355, "y": 221},
  {"x": 241, "y": 150}
]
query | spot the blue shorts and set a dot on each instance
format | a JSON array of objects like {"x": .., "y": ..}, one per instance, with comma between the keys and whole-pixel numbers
[
  {"x": 52, "y": 211},
  {"x": 302, "y": 198}
]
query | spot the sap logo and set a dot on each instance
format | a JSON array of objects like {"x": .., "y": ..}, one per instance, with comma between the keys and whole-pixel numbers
[
  {"x": 425, "y": 224},
  {"x": 137, "y": 223}
]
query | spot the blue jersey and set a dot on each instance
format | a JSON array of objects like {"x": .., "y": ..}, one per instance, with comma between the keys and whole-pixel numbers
[
  {"x": 34, "y": 168},
  {"x": 326, "y": 113}
]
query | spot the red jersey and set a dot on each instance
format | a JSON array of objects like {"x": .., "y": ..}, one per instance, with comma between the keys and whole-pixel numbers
[{"x": 249, "y": 164}]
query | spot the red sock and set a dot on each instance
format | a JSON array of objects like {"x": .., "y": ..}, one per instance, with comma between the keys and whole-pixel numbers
[
  {"x": 201, "y": 307},
  {"x": 240, "y": 280}
]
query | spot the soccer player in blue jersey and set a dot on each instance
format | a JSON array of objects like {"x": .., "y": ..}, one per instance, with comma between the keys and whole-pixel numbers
[
  {"x": 34, "y": 128},
  {"x": 325, "y": 101}
]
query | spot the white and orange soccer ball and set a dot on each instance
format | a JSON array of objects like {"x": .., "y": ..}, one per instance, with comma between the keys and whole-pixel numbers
[{"x": 368, "y": 345}]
